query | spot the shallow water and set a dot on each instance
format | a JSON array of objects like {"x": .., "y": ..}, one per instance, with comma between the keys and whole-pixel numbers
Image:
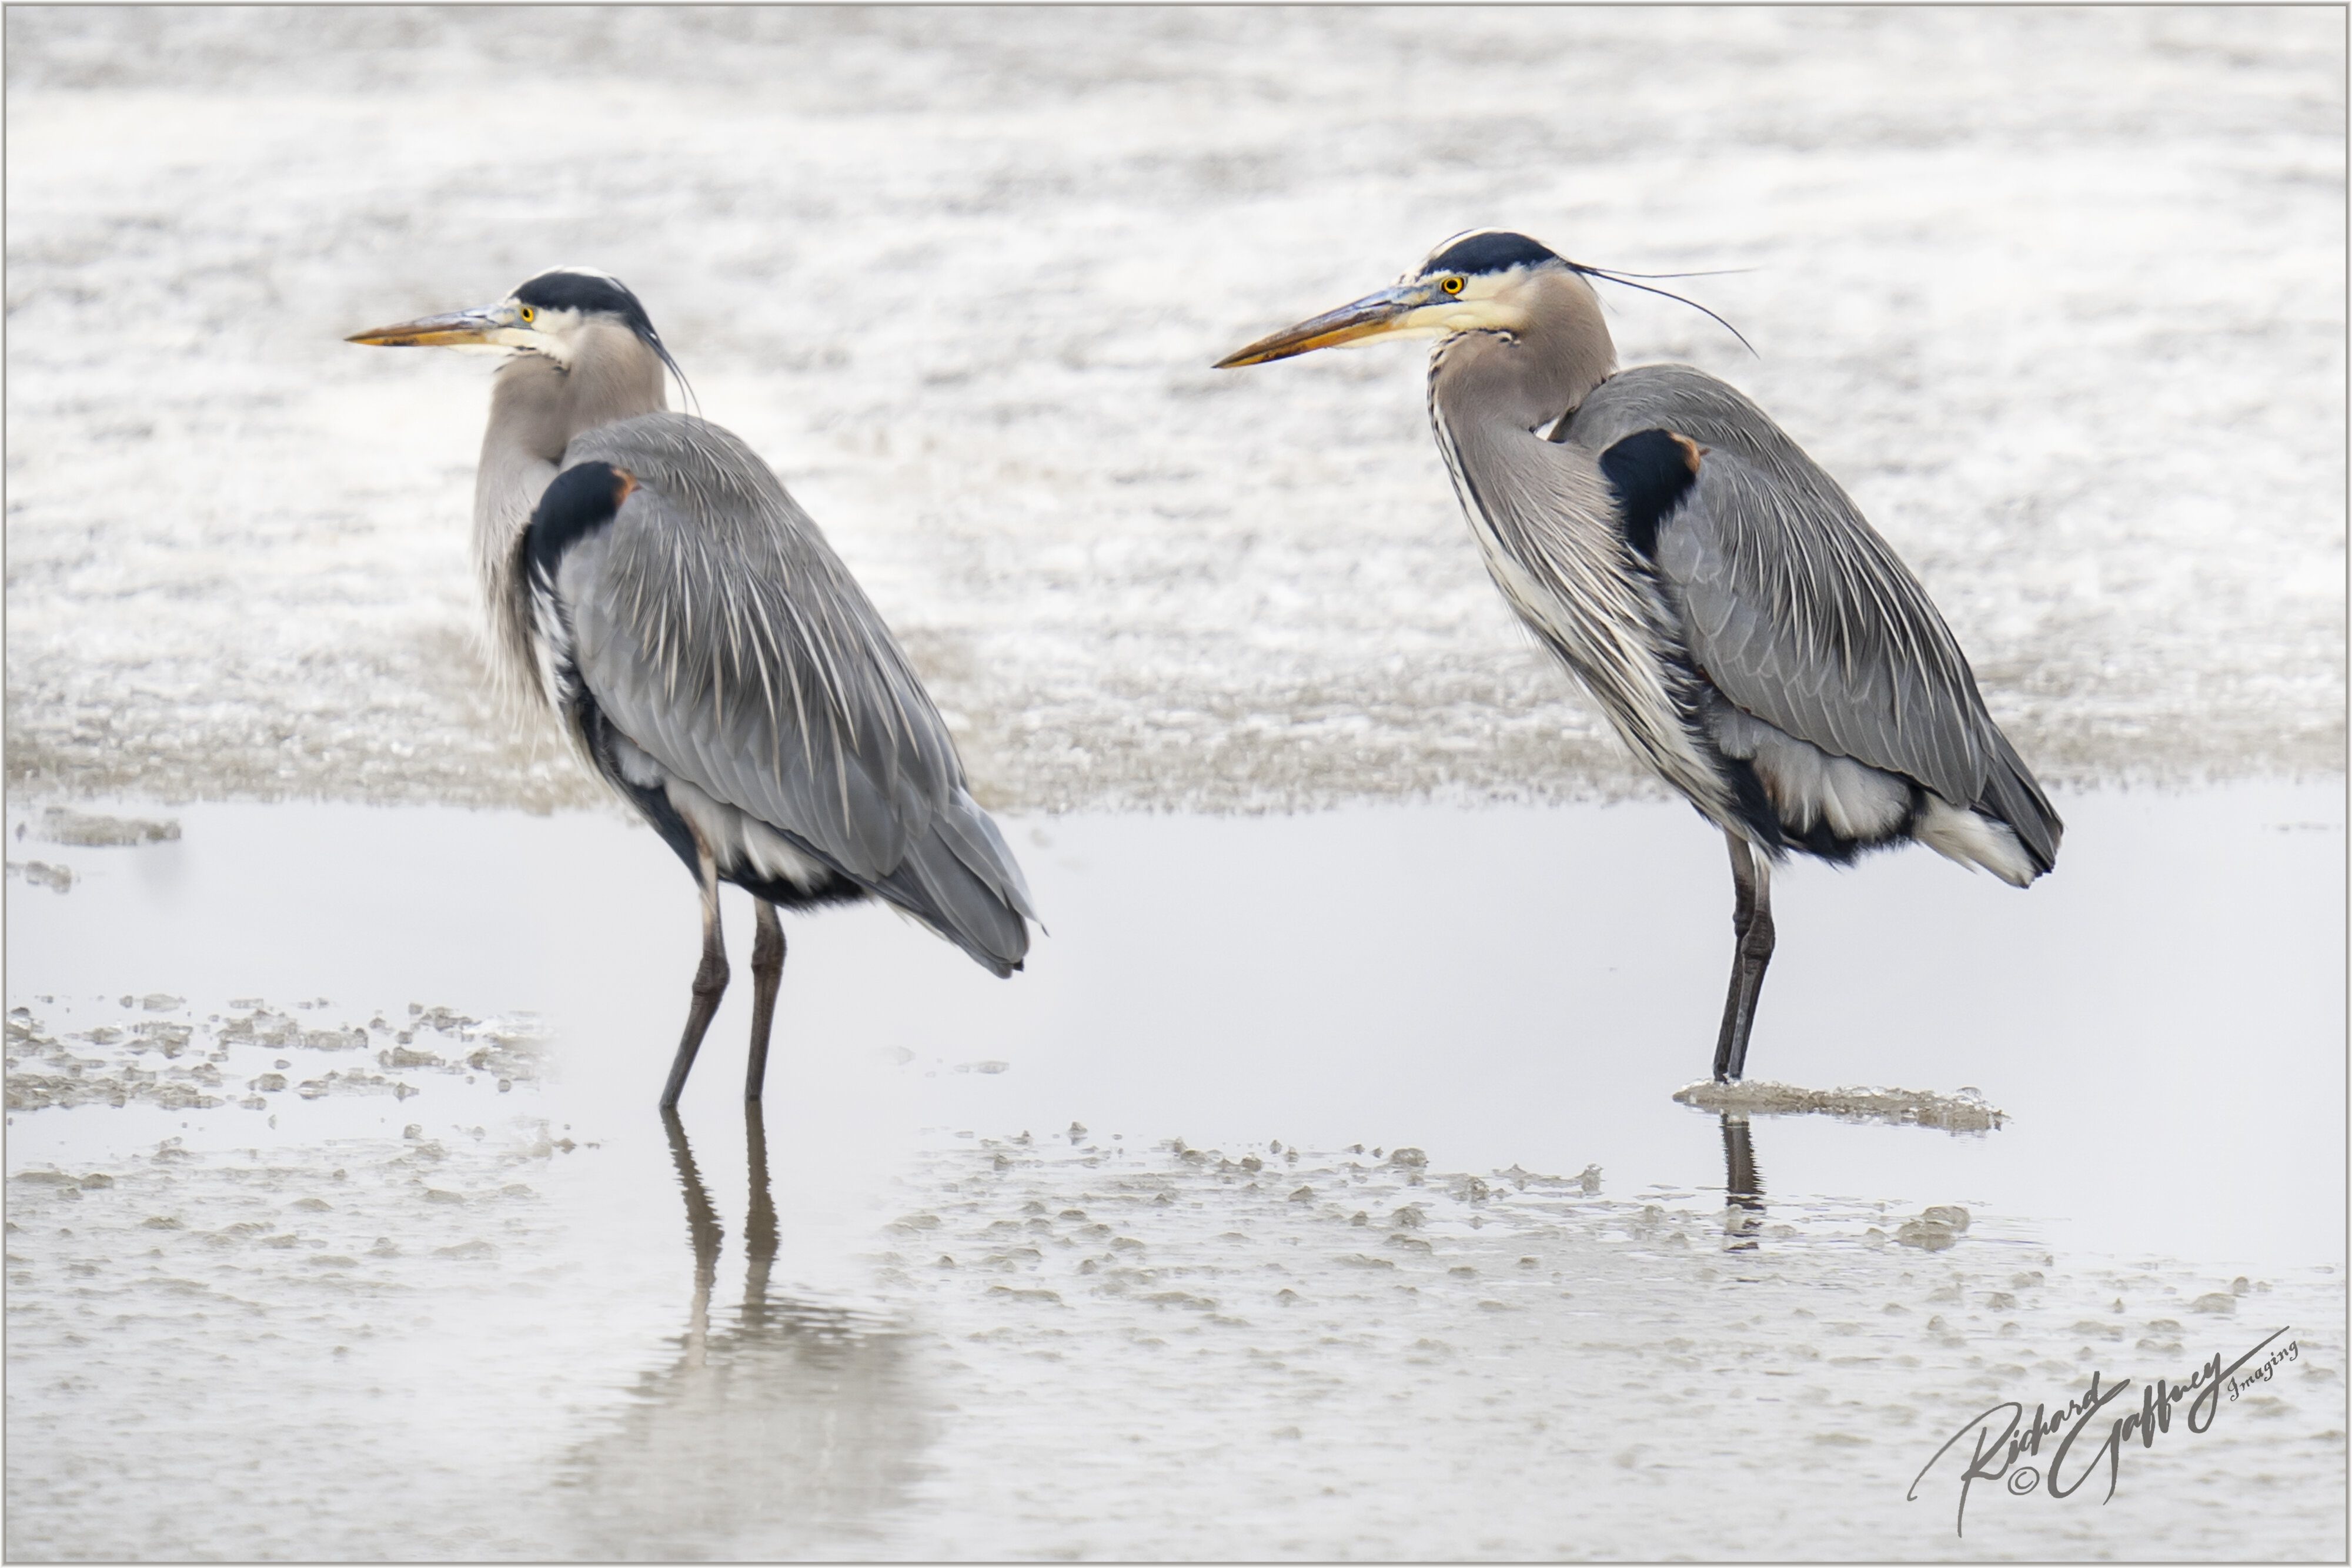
[{"x": 1261, "y": 1217}]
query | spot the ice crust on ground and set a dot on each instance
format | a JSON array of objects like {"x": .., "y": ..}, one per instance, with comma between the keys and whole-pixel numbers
[
  {"x": 249, "y": 1057},
  {"x": 1963, "y": 1112},
  {"x": 2056, "y": 295},
  {"x": 41, "y": 873},
  {"x": 91, "y": 829},
  {"x": 1080, "y": 1347}
]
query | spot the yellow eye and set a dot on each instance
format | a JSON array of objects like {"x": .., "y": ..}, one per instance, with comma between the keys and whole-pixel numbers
[
  {"x": 1451, "y": 286},
  {"x": 529, "y": 315}
]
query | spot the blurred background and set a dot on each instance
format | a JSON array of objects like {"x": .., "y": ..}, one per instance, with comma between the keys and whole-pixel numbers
[{"x": 2058, "y": 295}]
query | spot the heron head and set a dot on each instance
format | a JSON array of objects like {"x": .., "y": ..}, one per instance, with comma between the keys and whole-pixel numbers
[
  {"x": 556, "y": 315},
  {"x": 1488, "y": 280}
]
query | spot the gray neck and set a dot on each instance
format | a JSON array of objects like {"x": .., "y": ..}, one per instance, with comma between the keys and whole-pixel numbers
[
  {"x": 537, "y": 407},
  {"x": 1545, "y": 520},
  {"x": 1491, "y": 395}
]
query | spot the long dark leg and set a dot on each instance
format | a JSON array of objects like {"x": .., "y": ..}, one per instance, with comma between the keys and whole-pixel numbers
[
  {"x": 767, "y": 974},
  {"x": 1743, "y": 912},
  {"x": 1751, "y": 925},
  {"x": 710, "y": 982},
  {"x": 1755, "y": 956}
]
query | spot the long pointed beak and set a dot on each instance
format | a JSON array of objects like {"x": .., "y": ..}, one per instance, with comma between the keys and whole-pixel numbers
[
  {"x": 1373, "y": 316},
  {"x": 458, "y": 328}
]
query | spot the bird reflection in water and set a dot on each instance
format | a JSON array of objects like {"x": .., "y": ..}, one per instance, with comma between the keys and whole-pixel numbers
[
  {"x": 1743, "y": 1187},
  {"x": 794, "y": 1427}
]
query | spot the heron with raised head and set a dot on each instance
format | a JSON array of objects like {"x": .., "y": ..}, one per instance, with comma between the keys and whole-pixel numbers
[
  {"x": 1748, "y": 635},
  {"x": 651, "y": 581}
]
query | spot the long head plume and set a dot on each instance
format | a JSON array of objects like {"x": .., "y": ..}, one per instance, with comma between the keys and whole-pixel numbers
[
  {"x": 685, "y": 387},
  {"x": 1628, "y": 280}
]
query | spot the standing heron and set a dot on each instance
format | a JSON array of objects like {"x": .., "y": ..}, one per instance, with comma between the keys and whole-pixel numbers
[
  {"x": 1748, "y": 635},
  {"x": 649, "y": 578}
]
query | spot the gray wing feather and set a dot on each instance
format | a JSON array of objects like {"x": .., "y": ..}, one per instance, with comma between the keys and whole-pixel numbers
[
  {"x": 721, "y": 632},
  {"x": 962, "y": 871},
  {"x": 970, "y": 835},
  {"x": 1801, "y": 614}
]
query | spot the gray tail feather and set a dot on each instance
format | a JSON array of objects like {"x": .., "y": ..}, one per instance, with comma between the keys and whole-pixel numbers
[
  {"x": 2013, "y": 796},
  {"x": 962, "y": 881}
]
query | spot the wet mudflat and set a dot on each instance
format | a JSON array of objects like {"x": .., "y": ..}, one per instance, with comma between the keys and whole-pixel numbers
[{"x": 1318, "y": 1192}]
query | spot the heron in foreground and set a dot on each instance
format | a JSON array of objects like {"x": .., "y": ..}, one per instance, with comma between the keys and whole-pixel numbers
[
  {"x": 649, "y": 578},
  {"x": 1748, "y": 635}
]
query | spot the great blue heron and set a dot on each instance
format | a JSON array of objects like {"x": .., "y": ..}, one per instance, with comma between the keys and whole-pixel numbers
[
  {"x": 649, "y": 579},
  {"x": 1747, "y": 634}
]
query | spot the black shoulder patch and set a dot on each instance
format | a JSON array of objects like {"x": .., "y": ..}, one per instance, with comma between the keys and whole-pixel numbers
[
  {"x": 1652, "y": 471},
  {"x": 591, "y": 294},
  {"x": 1494, "y": 250},
  {"x": 580, "y": 501}
]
